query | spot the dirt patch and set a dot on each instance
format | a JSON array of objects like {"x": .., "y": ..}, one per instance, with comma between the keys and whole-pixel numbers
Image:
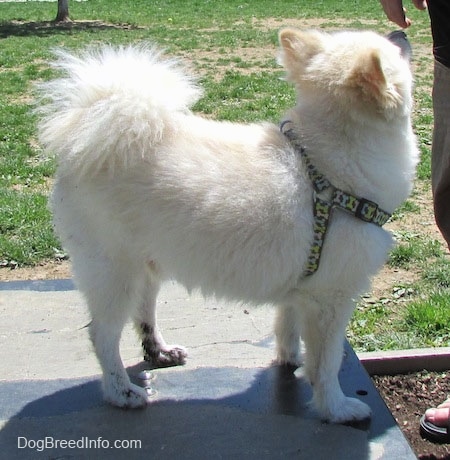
[
  {"x": 310, "y": 23},
  {"x": 408, "y": 397},
  {"x": 258, "y": 59},
  {"x": 246, "y": 61},
  {"x": 420, "y": 221},
  {"x": 45, "y": 271}
]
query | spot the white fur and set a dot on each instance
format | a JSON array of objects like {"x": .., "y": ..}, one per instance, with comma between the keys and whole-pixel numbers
[{"x": 146, "y": 190}]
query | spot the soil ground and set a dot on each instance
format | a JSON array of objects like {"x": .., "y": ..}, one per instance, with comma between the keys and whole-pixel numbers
[{"x": 408, "y": 396}]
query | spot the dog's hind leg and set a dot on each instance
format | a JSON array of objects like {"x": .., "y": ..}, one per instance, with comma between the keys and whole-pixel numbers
[
  {"x": 156, "y": 351},
  {"x": 323, "y": 324},
  {"x": 111, "y": 296}
]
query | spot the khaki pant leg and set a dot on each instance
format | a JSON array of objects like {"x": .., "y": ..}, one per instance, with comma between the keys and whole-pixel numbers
[{"x": 440, "y": 162}]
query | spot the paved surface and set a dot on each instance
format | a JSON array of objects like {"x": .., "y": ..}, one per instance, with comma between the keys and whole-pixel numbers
[{"x": 228, "y": 401}]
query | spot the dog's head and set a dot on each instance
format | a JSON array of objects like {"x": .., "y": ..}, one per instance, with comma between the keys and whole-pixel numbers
[{"x": 356, "y": 71}]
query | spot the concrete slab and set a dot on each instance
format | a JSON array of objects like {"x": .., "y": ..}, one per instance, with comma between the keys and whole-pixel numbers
[{"x": 228, "y": 401}]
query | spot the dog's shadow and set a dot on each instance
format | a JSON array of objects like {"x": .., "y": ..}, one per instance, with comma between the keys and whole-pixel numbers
[{"x": 199, "y": 413}]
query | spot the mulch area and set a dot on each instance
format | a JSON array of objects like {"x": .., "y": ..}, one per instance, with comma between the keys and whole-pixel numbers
[{"x": 408, "y": 396}]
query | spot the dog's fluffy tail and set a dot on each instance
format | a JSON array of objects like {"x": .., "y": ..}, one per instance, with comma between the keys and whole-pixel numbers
[{"x": 111, "y": 106}]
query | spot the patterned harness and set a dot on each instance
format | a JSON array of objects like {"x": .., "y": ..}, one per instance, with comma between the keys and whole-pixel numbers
[{"x": 363, "y": 209}]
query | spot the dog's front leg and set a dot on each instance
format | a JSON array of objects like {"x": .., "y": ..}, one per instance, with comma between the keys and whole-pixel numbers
[
  {"x": 323, "y": 331},
  {"x": 287, "y": 334}
]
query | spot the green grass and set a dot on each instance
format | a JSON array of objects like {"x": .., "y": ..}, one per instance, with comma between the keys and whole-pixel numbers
[
  {"x": 235, "y": 93},
  {"x": 413, "y": 249},
  {"x": 429, "y": 318},
  {"x": 232, "y": 46},
  {"x": 25, "y": 229}
]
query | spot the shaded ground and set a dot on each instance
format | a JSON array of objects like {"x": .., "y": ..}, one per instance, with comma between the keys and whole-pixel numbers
[{"x": 44, "y": 28}]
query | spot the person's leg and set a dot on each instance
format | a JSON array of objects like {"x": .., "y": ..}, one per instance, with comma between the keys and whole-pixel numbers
[
  {"x": 439, "y": 417},
  {"x": 440, "y": 162}
]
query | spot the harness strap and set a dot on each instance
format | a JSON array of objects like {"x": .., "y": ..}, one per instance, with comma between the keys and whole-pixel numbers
[
  {"x": 322, "y": 213},
  {"x": 361, "y": 208}
]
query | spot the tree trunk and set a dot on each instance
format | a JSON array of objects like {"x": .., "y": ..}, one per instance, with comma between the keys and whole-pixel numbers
[{"x": 63, "y": 11}]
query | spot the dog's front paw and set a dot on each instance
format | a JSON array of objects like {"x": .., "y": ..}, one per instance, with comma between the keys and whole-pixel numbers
[
  {"x": 172, "y": 355},
  {"x": 130, "y": 397},
  {"x": 344, "y": 410}
]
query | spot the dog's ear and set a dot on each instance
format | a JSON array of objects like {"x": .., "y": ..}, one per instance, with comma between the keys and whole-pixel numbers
[
  {"x": 297, "y": 48},
  {"x": 368, "y": 76},
  {"x": 368, "y": 73}
]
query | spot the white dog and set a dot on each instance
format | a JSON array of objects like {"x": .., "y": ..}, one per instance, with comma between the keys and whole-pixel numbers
[{"x": 146, "y": 190}]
